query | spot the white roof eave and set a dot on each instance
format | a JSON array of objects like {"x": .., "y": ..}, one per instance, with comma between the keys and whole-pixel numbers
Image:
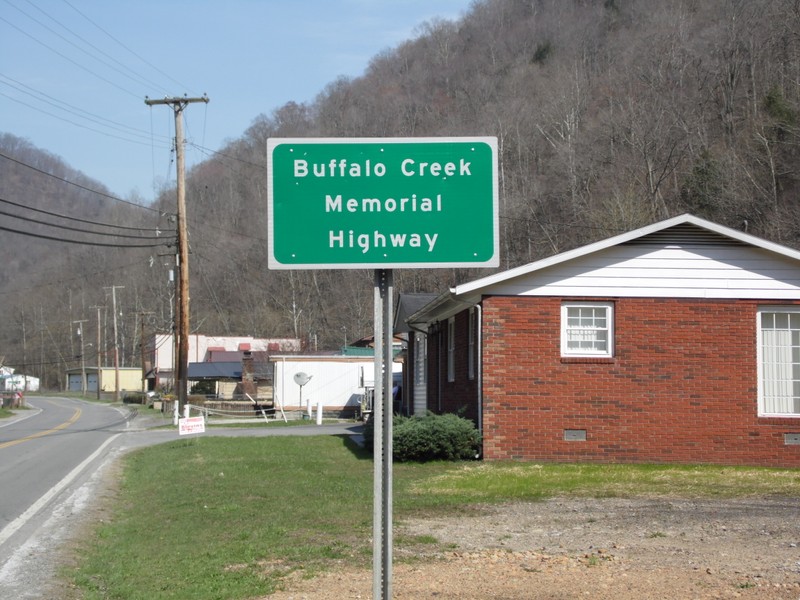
[
  {"x": 444, "y": 307},
  {"x": 471, "y": 290}
]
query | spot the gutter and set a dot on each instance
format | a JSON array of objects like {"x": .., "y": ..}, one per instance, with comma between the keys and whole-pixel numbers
[{"x": 479, "y": 364}]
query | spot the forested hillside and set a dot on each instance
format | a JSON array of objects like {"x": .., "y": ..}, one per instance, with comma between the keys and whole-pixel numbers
[{"x": 609, "y": 115}]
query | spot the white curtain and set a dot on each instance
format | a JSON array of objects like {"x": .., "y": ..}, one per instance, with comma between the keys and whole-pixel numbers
[{"x": 777, "y": 371}]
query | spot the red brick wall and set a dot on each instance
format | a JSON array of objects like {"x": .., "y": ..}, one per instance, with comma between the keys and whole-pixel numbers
[{"x": 682, "y": 386}]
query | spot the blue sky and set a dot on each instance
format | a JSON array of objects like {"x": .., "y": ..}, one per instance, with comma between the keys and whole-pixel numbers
[{"x": 74, "y": 73}]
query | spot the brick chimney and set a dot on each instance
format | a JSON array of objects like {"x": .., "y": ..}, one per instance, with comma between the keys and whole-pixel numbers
[{"x": 248, "y": 370}]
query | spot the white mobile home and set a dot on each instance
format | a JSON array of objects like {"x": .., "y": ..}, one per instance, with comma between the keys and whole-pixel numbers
[
  {"x": 337, "y": 382},
  {"x": 20, "y": 383}
]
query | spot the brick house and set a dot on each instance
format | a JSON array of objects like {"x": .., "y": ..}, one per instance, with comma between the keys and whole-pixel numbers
[{"x": 675, "y": 343}]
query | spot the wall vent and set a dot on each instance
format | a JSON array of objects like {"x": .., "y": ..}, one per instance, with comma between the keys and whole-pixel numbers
[
  {"x": 685, "y": 235},
  {"x": 791, "y": 439}
]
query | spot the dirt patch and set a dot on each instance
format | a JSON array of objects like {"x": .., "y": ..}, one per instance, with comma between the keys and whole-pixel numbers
[
  {"x": 80, "y": 528},
  {"x": 600, "y": 549}
]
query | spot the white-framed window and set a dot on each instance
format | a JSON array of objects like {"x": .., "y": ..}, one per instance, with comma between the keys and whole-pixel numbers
[
  {"x": 471, "y": 344},
  {"x": 779, "y": 361},
  {"x": 451, "y": 349},
  {"x": 587, "y": 329}
]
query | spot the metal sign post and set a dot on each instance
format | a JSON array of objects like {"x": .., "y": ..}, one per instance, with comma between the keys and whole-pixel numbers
[
  {"x": 383, "y": 204},
  {"x": 382, "y": 415}
]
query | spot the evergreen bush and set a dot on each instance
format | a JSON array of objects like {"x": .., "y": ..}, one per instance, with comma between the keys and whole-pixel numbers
[
  {"x": 432, "y": 437},
  {"x": 134, "y": 398}
]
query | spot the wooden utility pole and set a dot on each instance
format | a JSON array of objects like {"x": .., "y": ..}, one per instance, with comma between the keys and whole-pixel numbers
[
  {"x": 182, "y": 305},
  {"x": 143, "y": 348},
  {"x": 97, "y": 354},
  {"x": 116, "y": 343},
  {"x": 83, "y": 359}
]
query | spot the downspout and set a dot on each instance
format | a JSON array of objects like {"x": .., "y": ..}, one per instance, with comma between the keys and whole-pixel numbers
[
  {"x": 479, "y": 360},
  {"x": 411, "y": 396}
]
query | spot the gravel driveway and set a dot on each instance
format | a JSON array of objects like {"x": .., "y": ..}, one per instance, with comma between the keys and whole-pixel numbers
[{"x": 601, "y": 549}]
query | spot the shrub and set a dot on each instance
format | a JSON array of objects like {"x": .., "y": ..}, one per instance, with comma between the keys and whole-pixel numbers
[
  {"x": 432, "y": 437},
  {"x": 204, "y": 388},
  {"x": 134, "y": 398}
]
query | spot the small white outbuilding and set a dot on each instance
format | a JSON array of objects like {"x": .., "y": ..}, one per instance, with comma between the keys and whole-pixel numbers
[
  {"x": 336, "y": 382},
  {"x": 20, "y": 383}
]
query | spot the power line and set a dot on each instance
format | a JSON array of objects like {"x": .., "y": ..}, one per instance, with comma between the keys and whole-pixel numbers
[
  {"x": 145, "y": 61},
  {"x": 82, "y": 126},
  {"x": 77, "y": 111},
  {"x": 166, "y": 242},
  {"x": 77, "y": 185},
  {"x": 68, "y": 228},
  {"x": 39, "y": 363},
  {"x": 60, "y": 32},
  {"x": 209, "y": 152},
  {"x": 88, "y": 222},
  {"x": 68, "y": 59},
  {"x": 133, "y": 76}
]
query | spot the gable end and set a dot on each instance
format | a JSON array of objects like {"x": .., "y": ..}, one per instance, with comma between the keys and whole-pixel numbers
[{"x": 685, "y": 234}]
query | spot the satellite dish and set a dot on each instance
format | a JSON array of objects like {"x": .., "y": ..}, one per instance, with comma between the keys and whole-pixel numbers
[{"x": 301, "y": 378}]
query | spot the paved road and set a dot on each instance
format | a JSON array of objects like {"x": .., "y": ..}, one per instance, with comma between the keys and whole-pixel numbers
[{"x": 52, "y": 460}]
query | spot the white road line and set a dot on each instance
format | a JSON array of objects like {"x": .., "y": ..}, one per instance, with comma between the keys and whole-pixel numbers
[
  {"x": 21, "y": 520},
  {"x": 20, "y": 416}
]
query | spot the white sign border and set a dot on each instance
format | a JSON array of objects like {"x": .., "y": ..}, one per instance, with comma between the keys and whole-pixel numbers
[{"x": 494, "y": 261}]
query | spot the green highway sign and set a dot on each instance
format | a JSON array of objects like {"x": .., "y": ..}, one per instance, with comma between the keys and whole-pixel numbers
[{"x": 353, "y": 203}]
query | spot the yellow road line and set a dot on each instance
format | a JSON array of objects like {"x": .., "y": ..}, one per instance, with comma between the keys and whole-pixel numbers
[{"x": 33, "y": 436}]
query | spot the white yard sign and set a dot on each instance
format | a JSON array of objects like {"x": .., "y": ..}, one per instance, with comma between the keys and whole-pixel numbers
[{"x": 189, "y": 425}]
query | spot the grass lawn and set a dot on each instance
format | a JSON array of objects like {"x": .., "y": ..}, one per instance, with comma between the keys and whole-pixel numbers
[{"x": 221, "y": 518}]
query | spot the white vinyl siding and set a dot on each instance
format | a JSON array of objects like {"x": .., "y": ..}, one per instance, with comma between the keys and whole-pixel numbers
[
  {"x": 451, "y": 349},
  {"x": 587, "y": 329},
  {"x": 779, "y": 361},
  {"x": 471, "y": 345},
  {"x": 647, "y": 271}
]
